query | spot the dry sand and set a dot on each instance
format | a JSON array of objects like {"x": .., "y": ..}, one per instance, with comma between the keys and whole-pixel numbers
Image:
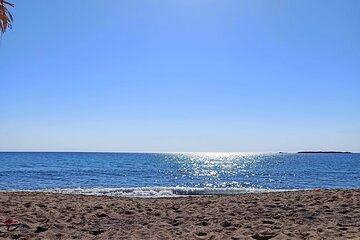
[{"x": 326, "y": 214}]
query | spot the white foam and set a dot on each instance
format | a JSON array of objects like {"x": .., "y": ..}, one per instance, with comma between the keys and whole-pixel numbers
[{"x": 155, "y": 192}]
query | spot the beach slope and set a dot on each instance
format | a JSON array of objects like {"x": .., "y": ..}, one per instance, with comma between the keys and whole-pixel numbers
[{"x": 328, "y": 214}]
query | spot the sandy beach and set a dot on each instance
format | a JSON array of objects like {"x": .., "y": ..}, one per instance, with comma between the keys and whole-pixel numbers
[{"x": 328, "y": 214}]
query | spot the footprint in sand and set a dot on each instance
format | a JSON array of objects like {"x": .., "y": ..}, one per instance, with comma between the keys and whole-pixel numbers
[
  {"x": 203, "y": 223},
  {"x": 258, "y": 236},
  {"x": 202, "y": 235}
]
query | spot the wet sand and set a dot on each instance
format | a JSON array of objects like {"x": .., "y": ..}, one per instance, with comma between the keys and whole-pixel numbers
[{"x": 326, "y": 214}]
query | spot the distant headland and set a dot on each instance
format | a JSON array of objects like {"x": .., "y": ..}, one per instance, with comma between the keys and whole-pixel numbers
[{"x": 325, "y": 152}]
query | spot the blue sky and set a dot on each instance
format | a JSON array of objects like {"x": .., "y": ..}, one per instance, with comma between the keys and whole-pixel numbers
[{"x": 174, "y": 75}]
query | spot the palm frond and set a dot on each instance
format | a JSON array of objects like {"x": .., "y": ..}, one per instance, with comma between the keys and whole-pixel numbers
[{"x": 6, "y": 19}]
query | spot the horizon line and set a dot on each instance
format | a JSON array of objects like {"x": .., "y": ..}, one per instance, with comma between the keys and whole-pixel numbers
[{"x": 245, "y": 152}]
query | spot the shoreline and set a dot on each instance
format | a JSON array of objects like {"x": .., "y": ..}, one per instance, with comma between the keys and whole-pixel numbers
[
  {"x": 154, "y": 192},
  {"x": 271, "y": 215}
]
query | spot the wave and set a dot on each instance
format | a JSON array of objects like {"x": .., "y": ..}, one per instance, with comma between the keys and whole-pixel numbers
[{"x": 155, "y": 192}]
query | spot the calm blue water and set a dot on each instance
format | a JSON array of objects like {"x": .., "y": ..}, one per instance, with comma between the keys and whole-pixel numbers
[{"x": 163, "y": 174}]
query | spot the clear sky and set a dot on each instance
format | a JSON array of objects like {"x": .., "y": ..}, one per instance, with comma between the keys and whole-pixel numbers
[{"x": 176, "y": 75}]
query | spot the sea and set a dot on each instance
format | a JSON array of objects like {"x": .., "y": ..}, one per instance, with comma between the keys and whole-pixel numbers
[{"x": 175, "y": 174}]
